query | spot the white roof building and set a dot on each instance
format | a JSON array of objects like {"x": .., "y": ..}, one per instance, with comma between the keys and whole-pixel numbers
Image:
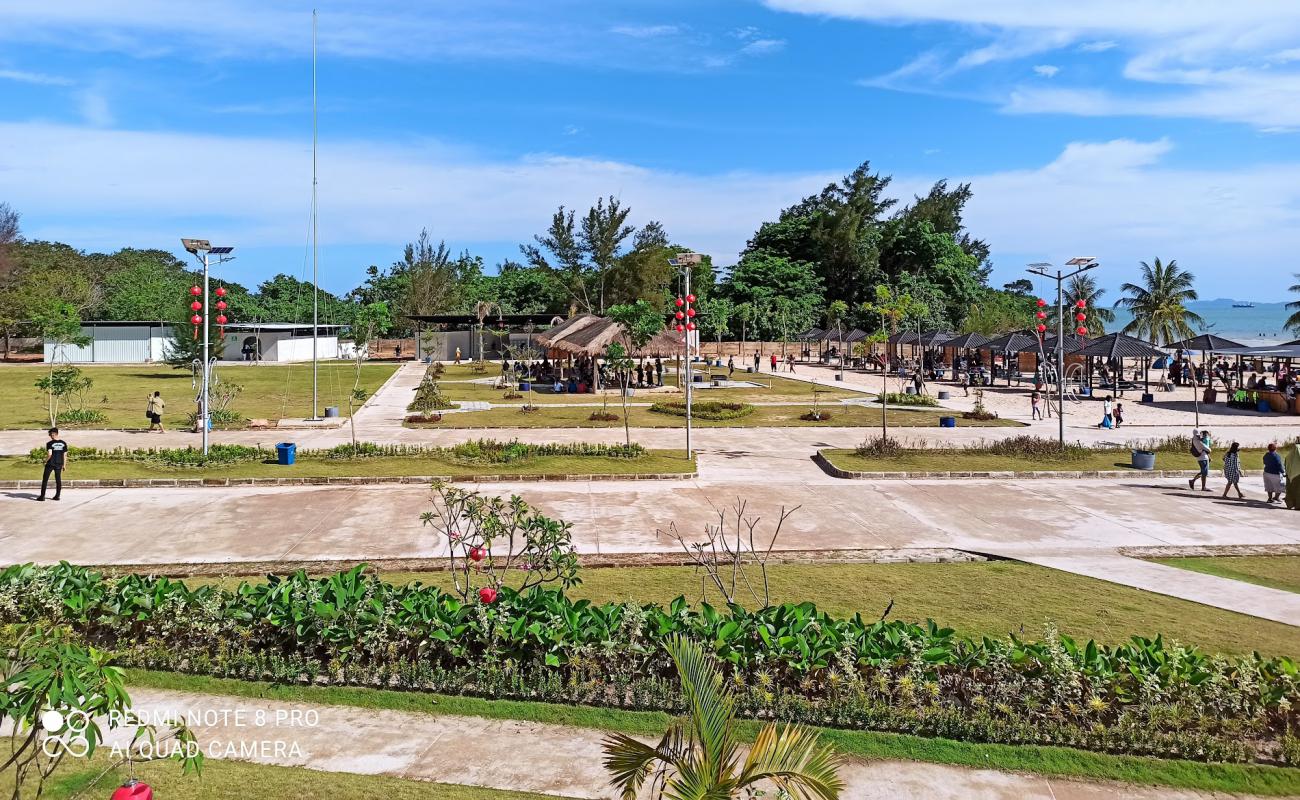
[{"x": 113, "y": 342}]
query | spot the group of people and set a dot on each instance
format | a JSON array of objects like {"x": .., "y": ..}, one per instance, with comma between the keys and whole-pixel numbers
[{"x": 1281, "y": 471}]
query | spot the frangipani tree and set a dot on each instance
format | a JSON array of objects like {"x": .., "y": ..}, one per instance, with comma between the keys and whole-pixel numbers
[{"x": 699, "y": 756}]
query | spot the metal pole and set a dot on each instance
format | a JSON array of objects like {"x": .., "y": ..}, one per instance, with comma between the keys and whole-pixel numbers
[
  {"x": 1060, "y": 359},
  {"x": 689, "y": 376},
  {"x": 315, "y": 278},
  {"x": 204, "y": 421}
]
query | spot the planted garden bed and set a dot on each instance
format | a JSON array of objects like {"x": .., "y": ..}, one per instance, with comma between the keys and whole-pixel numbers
[{"x": 788, "y": 661}]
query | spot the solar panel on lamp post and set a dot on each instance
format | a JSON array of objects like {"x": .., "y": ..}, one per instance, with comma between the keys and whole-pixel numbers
[{"x": 1083, "y": 264}]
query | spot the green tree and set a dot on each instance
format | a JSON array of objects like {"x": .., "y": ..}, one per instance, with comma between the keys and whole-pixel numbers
[
  {"x": 715, "y": 315},
  {"x": 144, "y": 285},
  {"x": 761, "y": 278},
  {"x": 604, "y": 230},
  {"x": 1159, "y": 303},
  {"x": 643, "y": 273},
  {"x": 894, "y": 308},
  {"x": 916, "y": 253},
  {"x": 998, "y": 311},
  {"x": 1084, "y": 287},
  {"x": 699, "y": 756},
  {"x": 285, "y": 298}
]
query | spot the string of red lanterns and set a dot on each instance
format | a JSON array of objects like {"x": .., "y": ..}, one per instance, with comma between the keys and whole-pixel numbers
[
  {"x": 196, "y": 306},
  {"x": 685, "y": 314}
]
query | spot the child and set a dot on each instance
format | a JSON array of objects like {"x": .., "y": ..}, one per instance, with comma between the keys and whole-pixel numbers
[{"x": 1119, "y": 414}]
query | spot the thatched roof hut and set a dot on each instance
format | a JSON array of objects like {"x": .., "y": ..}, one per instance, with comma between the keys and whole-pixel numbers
[{"x": 588, "y": 334}]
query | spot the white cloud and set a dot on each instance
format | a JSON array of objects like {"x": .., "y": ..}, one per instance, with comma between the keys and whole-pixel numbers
[
  {"x": 763, "y": 46},
  {"x": 1188, "y": 58},
  {"x": 746, "y": 32},
  {"x": 1046, "y": 70},
  {"x": 33, "y": 77},
  {"x": 93, "y": 106},
  {"x": 1119, "y": 200},
  {"x": 646, "y": 31},
  {"x": 572, "y": 130}
]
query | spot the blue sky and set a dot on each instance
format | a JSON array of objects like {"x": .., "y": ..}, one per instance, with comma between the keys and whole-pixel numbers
[{"x": 1105, "y": 128}]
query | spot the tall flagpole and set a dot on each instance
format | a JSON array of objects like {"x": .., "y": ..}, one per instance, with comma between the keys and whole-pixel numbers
[{"x": 315, "y": 247}]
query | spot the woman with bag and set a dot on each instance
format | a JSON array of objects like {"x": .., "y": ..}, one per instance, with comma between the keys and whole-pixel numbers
[{"x": 154, "y": 411}]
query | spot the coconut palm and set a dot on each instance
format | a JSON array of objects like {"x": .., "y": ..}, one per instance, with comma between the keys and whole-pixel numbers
[
  {"x": 1084, "y": 287},
  {"x": 1293, "y": 321},
  {"x": 699, "y": 756},
  {"x": 1159, "y": 305}
]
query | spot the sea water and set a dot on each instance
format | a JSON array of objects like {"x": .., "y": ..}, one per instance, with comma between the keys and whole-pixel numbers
[{"x": 1263, "y": 324}]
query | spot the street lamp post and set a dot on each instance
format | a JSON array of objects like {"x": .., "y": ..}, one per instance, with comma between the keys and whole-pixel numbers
[
  {"x": 1082, "y": 264},
  {"x": 201, "y": 249},
  {"x": 685, "y": 262}
]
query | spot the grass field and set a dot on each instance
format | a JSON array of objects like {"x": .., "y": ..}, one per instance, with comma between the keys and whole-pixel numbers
[
  {"x": 234, "y": 780},
  {"x": 959, "y": 461},
  {"x": 271, "y": 391},
  {"x": 1275, "y": 572},
  {"x": 867, "y": 745},
  {"x": 762, "y": 416},
  {"x": 655, "y": 461},
  {"x": 984, "y": 598}
]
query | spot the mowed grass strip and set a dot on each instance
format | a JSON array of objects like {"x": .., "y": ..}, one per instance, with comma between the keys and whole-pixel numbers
[
  {"x": 1048, "y": 761},
  {"x": 270, "y": 391},
  {"x": 762, "y": 417},
  {"x": 1275, "y": 572},
  {"x": 654, "y": 461},
  {"x": 991, "y": 598},
  {"x": 237, "y": 780},
  {"x": 974, "y": 461}
]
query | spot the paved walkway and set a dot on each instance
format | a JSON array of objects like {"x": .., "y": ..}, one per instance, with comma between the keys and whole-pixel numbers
[{"x": 535, "y": 757}]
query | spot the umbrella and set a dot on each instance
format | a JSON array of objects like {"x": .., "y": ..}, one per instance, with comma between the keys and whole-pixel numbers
[{"x": 1205, "y": 343}]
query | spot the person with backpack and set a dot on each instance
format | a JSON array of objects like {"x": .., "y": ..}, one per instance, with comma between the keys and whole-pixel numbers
[
  {"x": 153, "y": 409},
  {"x": 1200, "y": 450}
]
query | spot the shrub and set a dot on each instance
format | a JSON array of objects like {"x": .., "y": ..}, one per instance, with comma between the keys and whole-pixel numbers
[
  {"x": 816, "y": 416},
  {"x": 709, "y": 409},
  {"x": 896, "y": 399},
  {"x": 790, "y": 661},
  {"x": 603, "y": 416},
  {"x": 81, "y": 416},
  {"x": 221, "y": 418},
  {"x": 490, "y": 451},
  {"x": 218, "y": 454},
  {"x": 428, "y": 397},
  {"x": 880, "y": 447},
  {"x": 1034, "y": 448}
]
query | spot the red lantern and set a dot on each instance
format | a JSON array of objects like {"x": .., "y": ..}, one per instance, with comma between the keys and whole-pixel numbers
[
  {"x": 680, "y": 315},
  {"x": 1042, "y": 328},
  {"x": 221, "y": 319},
  {"x": 690, "y": 298},
  {"x": 196, "y": 320},
  {"x": 133, "y": 790},
  {"x": 690, "y": 326},
  {"x": 1082, "y": 331},
  {"x": 196, "y": 291},
  {"x": 1041, "y": 302},
  {"x": 1081, "y": 316},
  {"x": 196, "y": 305},
  {"x": 680, "y": 302},
  {"x": 477, "y": 554},
  {"x": 681, "y": 328},
  {"x": 1041, "y": 315},
  {"x": 1081, "y": 303},
  {"x": 221, "y": 291},
  {"x": 690, "y": 312},
  {"x": 221, "y": 305},
  {"x": 487, "y": 594}
]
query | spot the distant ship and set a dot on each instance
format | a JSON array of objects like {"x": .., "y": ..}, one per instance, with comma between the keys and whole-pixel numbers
[{"x": 1243, "y": 305}]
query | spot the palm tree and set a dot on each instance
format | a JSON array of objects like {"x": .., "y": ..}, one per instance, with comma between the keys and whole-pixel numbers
[
  {"x": 698, "y": 756},
  {"x": 1084, "y": 287},
  {"x": 1159, "y": 305},
  {"x": 1293, "y": 321}
]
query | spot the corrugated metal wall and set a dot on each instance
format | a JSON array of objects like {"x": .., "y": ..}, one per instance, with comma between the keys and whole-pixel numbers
[{"x": 109, "y": 345}]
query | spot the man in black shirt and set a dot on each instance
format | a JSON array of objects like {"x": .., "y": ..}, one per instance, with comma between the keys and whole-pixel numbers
[{"x": 55, "y": 459}]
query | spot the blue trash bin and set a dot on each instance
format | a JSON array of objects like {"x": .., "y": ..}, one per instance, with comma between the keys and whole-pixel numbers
[
  {"x": 947, "y": 422},
  {"x": 285, "y": 452},
  {"x": 1262, "y": 406},
  {"x": 525, "y": 386}
]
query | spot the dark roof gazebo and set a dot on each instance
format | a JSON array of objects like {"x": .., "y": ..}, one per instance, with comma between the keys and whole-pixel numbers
[
  {"x": 1206, "y": 343},
  {"x": 966, "y": 341},
  {"x": 1119, "y": 345},
  {"x": 1014, "y": 342},
  {"x": 929, "y": 339}
]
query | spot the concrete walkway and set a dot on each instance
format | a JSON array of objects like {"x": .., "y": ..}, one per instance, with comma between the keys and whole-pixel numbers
[{"x": 534, "y": 757}]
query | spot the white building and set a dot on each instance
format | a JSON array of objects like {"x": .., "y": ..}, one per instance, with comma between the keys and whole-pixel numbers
[{"x": 147, "y": 342}]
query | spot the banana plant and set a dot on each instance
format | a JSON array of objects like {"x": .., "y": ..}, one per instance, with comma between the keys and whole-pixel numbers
[{"x": 699, "y": 756}]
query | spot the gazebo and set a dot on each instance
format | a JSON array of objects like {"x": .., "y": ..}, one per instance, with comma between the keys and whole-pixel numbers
[
  {"x": 590, "y": 335},
  {"x": 1115, "y": 347}
]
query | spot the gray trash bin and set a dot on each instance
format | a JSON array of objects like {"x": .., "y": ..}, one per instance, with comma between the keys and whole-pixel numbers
[
  {"x": 331, "y": 411},
  {"x": 1144, "y": 460}
]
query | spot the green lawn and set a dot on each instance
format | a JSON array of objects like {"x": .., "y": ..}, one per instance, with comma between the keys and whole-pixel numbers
[
  {"x": 867, "y": 745},
  {"x": 18, "y": 468},
  {"x": 984, "y": 598},
  {"x": 961, "y": 461},
  {"x": 1275, "y": 572},
  {"x": 762, "y": 416},
  {"x": 235, "y": 780},
  {"x": 270, "y": 391}
]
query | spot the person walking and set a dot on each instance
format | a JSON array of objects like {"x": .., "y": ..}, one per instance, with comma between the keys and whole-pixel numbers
[
  {"x": 755, "y": 361},
  {"x": 1201, "y": 451},
  {"x": 789, "y": 362},
  {"x": 457, "y": 355},
  {"x": 56, "y": 458},
  {"x": 731, "y": 366},
  {"x": 1119, "y": 414},
  {"x": 918, "y": 383},
  {"x": 1035, "y": 406},
  {"x": 965, "y": 382},
  {"x": 154, "y": 410},
  {"x": 1107, "y": 413},
  {"x": 773, "y": 362},
  {"x": 1232, "y": 470},
  {"x": 659, "y": 370},
  {"x": 1274, "y": 474}
]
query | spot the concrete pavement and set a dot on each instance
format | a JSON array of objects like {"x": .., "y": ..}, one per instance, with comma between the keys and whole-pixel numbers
[{"x": 531, "y": 756}]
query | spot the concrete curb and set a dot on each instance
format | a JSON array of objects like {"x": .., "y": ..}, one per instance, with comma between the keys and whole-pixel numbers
[
  {"x": 835, "y": 472},
  {"x": 190, "y": 483}
]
